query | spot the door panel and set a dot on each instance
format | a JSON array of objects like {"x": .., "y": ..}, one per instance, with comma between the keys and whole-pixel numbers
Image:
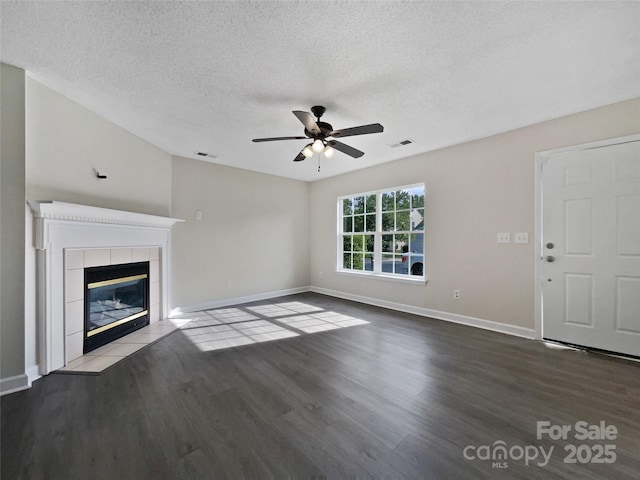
[
  {"x": 578, "y": 214},
  {"x": 578, "y": 298},
  {"x": 628, "y": 241},
  {"x": 628, "y": 304},
  {"x": 591, "y": 247}
]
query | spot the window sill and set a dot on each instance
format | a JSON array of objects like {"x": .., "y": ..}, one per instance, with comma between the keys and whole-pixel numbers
[{"x": 382, "y": 276}]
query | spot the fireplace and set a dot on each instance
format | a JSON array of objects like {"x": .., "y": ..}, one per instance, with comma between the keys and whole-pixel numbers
[
  {"x": 69, "y": 238},
  {"x": 116, "y": 302}
]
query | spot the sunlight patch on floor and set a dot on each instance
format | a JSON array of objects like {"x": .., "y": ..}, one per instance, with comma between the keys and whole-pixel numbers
[{"x": 233, "y": 327}]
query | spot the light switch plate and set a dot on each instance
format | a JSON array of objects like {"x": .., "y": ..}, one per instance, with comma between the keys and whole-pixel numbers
[
  {"x": 504, "y": 237},
  {"x": 521, "y": 237}
]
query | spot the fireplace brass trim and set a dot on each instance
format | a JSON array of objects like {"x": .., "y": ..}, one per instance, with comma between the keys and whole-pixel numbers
[
  {"x": 117, "y": 322},
  {"x": 105, "y": 283}
]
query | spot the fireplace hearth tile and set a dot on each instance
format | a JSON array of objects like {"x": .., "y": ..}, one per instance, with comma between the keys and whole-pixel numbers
[
  {"x": 103, "y": 350},
  {"x": 124, "y": 349},
  {"x": 138, "y": 337},
  {"x": 98, "y": 363},
  {"x": 160, "y": 327},
  {"x": 102, "y": 358}
]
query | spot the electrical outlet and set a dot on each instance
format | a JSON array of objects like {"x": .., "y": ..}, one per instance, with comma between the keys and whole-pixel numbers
[
  {"x": 198, "y": 215},
  {"x": 521, "y": 237},
  {"x": 504, "y": 237},
  {"x": 456, "y": 294}
]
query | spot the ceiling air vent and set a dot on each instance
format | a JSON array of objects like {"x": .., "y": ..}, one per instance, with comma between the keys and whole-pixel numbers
[
  {"x": 402, "y": 143},
  {"x": 205, "y": 154}
]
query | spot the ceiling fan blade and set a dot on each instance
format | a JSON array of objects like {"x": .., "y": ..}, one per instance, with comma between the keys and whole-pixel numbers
[
  {"x": 307, "y": 120},
  {"x": 361, "y": 130},
  {"x": 353, "y": 152},
  {"x": 299, "y": 158},
  {"x": 277, "y": 138}
]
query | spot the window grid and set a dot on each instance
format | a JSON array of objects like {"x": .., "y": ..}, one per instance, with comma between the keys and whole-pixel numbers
[{"x": 382, "y": 232}]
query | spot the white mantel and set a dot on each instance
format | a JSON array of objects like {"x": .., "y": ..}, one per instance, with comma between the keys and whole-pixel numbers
[{"x": 60, "y": 226}]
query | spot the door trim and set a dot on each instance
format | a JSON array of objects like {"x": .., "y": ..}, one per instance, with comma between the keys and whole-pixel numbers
[{"x": 540, "y": 159}]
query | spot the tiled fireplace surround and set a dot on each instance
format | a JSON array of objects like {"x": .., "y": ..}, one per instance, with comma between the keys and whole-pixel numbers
[
  {"x": 69, "y": 237},
  {"x": 76, "y": 260}
]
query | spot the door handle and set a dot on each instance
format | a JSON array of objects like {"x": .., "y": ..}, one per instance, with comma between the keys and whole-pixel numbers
[{"x": 550, "y": 258}]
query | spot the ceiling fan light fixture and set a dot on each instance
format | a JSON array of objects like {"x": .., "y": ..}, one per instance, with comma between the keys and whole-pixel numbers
[
  {"x": 317, "y": 146},
  {"x": 307, "y": 151},
  {"x": 329, "y": 152}
]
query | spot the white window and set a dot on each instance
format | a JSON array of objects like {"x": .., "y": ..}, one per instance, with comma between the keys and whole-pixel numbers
[{"x": 382, "y": 233}]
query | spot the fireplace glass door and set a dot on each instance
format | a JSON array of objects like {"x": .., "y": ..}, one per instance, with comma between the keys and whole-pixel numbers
[{"x": 116, "y": 302}]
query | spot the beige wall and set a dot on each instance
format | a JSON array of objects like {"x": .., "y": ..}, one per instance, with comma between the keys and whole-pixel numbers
[
  {"x": 12, "y": 232},
  {"x": 254, "y": 233},
  {"x": 67, "y": 141},
  {"x": 474, "y": 191}
]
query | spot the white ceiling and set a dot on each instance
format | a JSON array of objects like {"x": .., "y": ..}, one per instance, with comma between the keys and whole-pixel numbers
[{"x": 210, "y": 76}]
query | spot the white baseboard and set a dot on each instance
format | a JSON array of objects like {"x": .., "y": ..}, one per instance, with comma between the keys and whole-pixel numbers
[
  {"x": 33, "y": 373},
  {"x": 425, "y": 312},
  {"x": 226, "y": 302},
  {"x": 14, "y": 384}
]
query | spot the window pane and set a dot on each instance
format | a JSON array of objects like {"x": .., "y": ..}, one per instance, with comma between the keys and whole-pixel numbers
[
  {"x": 387, "y": 243},
  {"x": 358, "y": 205},
  {"x": 370, "y": 242},
  {"x": 368, "y": 262},
  {"x": 402, "y": 220},
  {"x": 416, "y": 266},
  {"x": 358, "y": 223},
  {"x": 371, "y": 223},
  {"x": 402, "y": 243},
  {"x": 346, "y": 206},
  {"x": 387, "y": 222},
  {"x": 371, "y": 204},
  {"x": 347, "y": 224},
  {"x": 416, "y": 244},
  {"x": 387, "y": 263},
  {"x": 358, "y": 243},
  {"x": 346, "y": 261},
  {"x": 387, "y": 201},
  {"x": 417, "y": 197},
  {"x": 358, "y": 261},
  {"x": 346, "y": 243},
  {"x": 398, "y": 266},
  {"x": 402, "y": 200},
  {"x": 417, "y": 219}
]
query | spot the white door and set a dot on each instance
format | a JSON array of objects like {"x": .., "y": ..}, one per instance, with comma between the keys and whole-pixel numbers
[{"x": 591, "y": 247}]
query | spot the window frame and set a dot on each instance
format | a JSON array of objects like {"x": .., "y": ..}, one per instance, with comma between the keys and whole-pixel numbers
[{"x": 377, "y": 235}]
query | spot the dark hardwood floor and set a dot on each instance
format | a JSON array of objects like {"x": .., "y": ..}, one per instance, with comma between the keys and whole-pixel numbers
[{"x": 400, "y": 397}]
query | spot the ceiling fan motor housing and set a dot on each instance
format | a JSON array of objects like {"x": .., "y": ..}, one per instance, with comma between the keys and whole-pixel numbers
[{"x": 325, "y": 130}]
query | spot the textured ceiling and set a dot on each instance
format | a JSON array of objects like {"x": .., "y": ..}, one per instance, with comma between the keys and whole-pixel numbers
[{"x": 210, "y": 76}]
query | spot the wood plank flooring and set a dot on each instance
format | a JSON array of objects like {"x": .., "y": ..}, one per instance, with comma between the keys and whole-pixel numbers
[{"x": 400, "y": 397}]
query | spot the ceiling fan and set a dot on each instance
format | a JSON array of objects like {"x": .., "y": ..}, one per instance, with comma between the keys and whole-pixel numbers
[{"x": 320, "y": 133}]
